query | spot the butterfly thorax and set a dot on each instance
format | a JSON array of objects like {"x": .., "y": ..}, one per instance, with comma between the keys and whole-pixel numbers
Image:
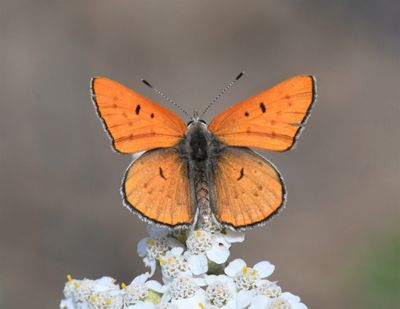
[{"x": 199, "y": 144}]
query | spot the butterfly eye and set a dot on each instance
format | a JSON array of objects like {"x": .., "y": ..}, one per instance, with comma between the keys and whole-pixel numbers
[
  {"x": 190, "y": 122},
  {"x": 202, "y": 121}
]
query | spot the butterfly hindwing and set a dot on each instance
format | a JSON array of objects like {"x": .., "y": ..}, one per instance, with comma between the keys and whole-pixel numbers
[
  {"x": 156, "y": 186},
  {"x": 246, "y": 188},
  {"x": 270, "y": 120},
  {"x": 133, "y": 122}
]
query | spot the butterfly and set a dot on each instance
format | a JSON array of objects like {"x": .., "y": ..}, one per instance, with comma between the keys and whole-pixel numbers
[{"x": 190, "y": 171}]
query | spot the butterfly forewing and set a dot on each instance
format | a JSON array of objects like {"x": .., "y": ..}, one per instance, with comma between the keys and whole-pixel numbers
[
  {"x": 133, "y": 122},
  {"x": 156, "y": 186},
  {"x": 246, "y": 190},
  {"x": 270, "y": 120}
]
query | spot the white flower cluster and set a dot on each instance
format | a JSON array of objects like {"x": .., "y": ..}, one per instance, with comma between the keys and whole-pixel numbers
[{"x": 195, "y": 274}]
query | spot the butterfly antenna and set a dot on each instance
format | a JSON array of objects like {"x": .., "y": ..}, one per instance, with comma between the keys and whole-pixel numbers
[
  {"x": 227, "y": 87},
  {"x": 160, "y": 93}
]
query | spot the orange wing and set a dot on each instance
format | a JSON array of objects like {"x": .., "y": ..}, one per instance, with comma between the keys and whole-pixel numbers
[
  {"x": 133, "y": 122},
  {"x": 156, "y": 187},
  {"x": 247, "y": 189},
  {"x": 270, "y": 120}
]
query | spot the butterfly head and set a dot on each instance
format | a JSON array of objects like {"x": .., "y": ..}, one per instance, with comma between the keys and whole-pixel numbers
[{"x": 196, "y": 120}]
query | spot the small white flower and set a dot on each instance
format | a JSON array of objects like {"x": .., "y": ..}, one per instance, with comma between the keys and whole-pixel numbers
[
  {"x": 218, "y": 294},
  {"x": 221, "y": 292},
  {"x": 284, "y": 301},
  {"x": 203, "y": 244},
  {"x": 268, "y": 289},
  {"x": 183, "y": 287},
  {"x": 151, "y": 249},
  {"x": 139, "y": 292},
  {"x": 156, "y": 246},
  {"x": 279, "y": 303},
  {"x": 293, "y": 300},
  {"x": 174, "y": 264},
  {"x": 106, "y": 300},
  {"x": 78, "y": 290},
  {"x": 134, "y": 293},
  {"x": 183, "y": 293},
  {"x": 197, "y": 301},
  {"x": 245, "y": 277},
  {"x": 199, "y": 241}
]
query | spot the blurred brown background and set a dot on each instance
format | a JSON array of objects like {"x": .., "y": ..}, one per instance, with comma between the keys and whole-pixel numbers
[{"x": 337, "y": 244}]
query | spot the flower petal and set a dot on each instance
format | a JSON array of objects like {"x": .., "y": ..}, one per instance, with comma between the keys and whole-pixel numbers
[
  {"x": 290, "y": 297},
  {"x": 142, "y": 305},
  {"x": 210, "y": 279},
  {"x": 198, "y": 264},
  {"x": 259, "y": 302},
  {"x": 104, "y": 284},
  {"x": 175, "y": 251},
  {"x": 221, "y": 241},
  {"x": 156, "y": 286},
  {"x": 172, "y": 242},
  {"x": 299, "y": 306},
  {"x": 157, "y": 231},
  {"x": 218, "y": 254},
  {"x": 192, "y": 302},
  {"x": 67, "y": 304},
  {"x": 244, "y": 298},
  {"x": 142, "y": 247},
  {"x": 264, "y": 269},
  {"x": 151, "y": 263},
  {"x": 141, "y": 279},
  {"x": 234, "y": 236},
  {"x": 234, "y": 267},
  {"x": 200, "y": 280}
]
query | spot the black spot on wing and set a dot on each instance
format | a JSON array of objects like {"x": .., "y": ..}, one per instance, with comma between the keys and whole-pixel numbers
[
  {"x": 241, "y": 174},
  {"x": 152, "y": 115},
  {"x": 246, "y": 114},
  {"x": 263, "y": 108},
  {"x": 161, "y": 173},
  {"x": 137, "y": 110}
]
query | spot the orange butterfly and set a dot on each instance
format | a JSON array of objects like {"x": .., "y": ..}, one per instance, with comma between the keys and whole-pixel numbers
[{"x": 193, "y": 171}]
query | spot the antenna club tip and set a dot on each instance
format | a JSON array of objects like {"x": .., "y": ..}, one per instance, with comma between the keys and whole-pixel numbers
[
  {"x": 146, "y": 83},
  {"x": 239, "y": 75}
]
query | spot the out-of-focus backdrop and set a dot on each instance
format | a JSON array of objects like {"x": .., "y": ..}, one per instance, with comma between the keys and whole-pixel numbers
[{"x": 337, "y": 244}]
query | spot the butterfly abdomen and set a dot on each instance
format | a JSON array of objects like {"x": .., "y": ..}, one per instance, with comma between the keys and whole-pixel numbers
[{"x": 201, "y": 190}]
